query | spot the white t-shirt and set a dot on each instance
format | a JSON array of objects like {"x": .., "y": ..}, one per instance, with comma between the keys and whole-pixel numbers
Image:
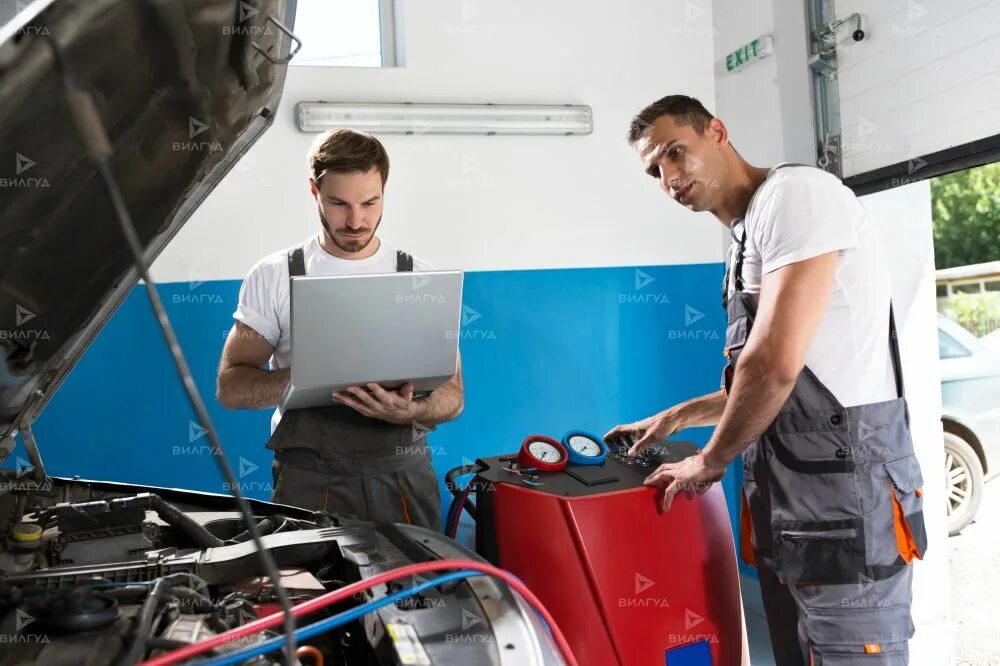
[
  {"x": 803, "y": 212},
  {"x": 265, "y": 304}
]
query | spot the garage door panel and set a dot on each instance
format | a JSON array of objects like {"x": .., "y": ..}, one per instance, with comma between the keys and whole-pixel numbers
[
  {"x": 924, "y": 79},
  {"x": 868, "y": 142},
  {"x": 898, "y": 53}
]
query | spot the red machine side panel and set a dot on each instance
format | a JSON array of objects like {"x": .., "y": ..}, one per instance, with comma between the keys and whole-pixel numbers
[{"x": 624, "y": 582}]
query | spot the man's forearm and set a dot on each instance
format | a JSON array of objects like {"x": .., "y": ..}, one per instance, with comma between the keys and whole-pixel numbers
[
  {"x": 754, "y": 400},
  {"x": 443, "y": 404},
  {"x": 705, "y": 410},
  {"x": 245, "y": 387}
]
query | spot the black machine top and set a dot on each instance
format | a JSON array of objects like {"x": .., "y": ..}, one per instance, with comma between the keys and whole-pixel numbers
[{"x": 617, "y": 472}]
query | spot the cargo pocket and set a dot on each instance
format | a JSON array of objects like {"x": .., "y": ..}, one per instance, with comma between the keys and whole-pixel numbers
[
  {"x": 817, "y": 527},
  {"x": 855, "y": 637},
  {"x": 906, "y": 493},
  {"x": 819, "y": 552}
]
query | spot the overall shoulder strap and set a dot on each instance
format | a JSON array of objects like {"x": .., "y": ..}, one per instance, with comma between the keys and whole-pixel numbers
[
  {"x": 404, "y": 262},
  {"x": 897, "y": 364},
  {"x": 296, "y": 262}
]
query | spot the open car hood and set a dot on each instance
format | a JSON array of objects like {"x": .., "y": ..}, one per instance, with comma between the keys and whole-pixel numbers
[{"x": 183, "y": 88}]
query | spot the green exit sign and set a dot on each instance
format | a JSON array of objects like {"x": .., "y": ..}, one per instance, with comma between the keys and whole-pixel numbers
[{"x": 749, "y": 52}]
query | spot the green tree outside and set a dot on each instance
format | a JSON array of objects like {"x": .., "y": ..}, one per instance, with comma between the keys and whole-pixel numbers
[{"x": 966, "y": 215}]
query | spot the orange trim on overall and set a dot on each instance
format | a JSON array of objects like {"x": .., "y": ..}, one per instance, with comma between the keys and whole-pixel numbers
[
  {"x": 905, "y": 543},
  {"x": 406, "y": 510},
  {"x": 746, "y": 533},
  {"x": 873, "y": 648}
]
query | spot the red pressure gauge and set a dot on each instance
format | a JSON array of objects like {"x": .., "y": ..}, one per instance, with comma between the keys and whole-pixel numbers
[{"x": 542, "y": 453}]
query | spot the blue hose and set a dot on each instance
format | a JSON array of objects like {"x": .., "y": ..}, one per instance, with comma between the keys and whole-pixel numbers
[{"x": 338, "y": 620}]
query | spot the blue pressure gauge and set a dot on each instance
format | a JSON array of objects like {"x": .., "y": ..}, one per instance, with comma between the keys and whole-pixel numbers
[{"x": 584, "y": 448}]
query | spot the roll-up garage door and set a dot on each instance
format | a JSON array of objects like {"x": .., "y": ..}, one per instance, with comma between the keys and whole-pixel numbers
[{"x": 919, "y": 94}]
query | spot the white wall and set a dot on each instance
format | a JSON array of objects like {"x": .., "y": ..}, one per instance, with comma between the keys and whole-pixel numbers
[
  {"x": 485, "y": 203},
  {"x": 768, "y": 108}
]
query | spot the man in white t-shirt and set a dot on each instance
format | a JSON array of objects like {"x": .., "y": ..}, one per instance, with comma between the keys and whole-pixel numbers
[
  {"x": 364, "y": 455},
  {"x": 812, "y": 396}
]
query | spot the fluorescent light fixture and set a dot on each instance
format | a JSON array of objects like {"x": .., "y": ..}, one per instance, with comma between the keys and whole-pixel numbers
[{"x": 409, "y": 118}]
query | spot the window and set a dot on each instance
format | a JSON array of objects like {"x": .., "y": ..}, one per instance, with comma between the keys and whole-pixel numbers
[
  {"x": 346, "y": 33},
  {"x": 942, "y": 290},
  {"x": 993, "y": 285},
  {"x": 968, "y": 288},
  {"x": 949, "y": 347}
]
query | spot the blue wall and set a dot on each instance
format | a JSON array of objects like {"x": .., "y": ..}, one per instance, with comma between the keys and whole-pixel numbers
[{"x": 543, "y": 351}]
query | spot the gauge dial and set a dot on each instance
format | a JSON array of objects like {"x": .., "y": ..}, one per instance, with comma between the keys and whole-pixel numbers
[
  {"x": 542, "y": 453},
  {"x": 584, "y": 448},
  {"x": 545, "y": 451}
]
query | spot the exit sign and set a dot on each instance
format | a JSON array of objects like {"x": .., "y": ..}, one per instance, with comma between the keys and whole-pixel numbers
[{"x": 749, "y": 52}]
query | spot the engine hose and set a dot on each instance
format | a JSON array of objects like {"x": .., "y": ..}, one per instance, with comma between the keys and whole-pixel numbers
[
  {"x": 176, "y": 518},
  {"x": 161, "y": 587}
]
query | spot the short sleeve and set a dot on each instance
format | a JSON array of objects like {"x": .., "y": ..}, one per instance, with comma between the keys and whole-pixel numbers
[
  {"x": 258, "y": 302},
  {"x": 805, "y": 215}
]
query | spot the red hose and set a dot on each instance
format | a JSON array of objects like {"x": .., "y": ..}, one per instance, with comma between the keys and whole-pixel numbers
[{"x": 313, "y": 605}]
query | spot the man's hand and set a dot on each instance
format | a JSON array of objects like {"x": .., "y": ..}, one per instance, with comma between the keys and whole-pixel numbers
[
  {"x": 376, "y": 402},
  {"x": 647, "y": 431},
  {"x": 696, "y": 473}
]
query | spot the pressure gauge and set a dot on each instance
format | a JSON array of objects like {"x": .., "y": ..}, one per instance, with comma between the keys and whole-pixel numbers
[
  {"x": 584, "y": 448},
  {"x": 542, "y": 453}
]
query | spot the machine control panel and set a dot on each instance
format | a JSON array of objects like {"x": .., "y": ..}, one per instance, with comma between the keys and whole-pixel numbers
[{"x": 617, "y": 471}]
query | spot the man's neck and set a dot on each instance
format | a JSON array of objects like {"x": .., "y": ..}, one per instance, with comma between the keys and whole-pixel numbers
[
  {"x": 332, "y": 249},
  {"x": 747, "y": 178}
]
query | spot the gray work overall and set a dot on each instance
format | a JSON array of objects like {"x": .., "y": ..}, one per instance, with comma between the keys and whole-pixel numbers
[
  {"x": 832, "y": 505},
  {"x": 337, "y": 460}
]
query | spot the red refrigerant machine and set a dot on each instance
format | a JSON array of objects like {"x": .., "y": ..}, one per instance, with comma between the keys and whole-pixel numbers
[{"x": 628, "y": 584}]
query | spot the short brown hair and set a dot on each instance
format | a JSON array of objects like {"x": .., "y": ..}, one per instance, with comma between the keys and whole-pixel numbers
[
  {"x": 347, "y": 150},
  {"x": 685, "y": 110}
]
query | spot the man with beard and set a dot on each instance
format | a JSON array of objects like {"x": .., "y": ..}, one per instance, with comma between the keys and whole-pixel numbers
[{"x": 365, "y": 454}]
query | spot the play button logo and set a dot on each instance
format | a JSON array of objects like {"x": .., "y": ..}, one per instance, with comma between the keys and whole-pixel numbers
[
  {"x": 470, "y": 619},
  {"x": 691, "y": 315},
  {"x": 643, "y": 279},
  {"x": 642, "y": 583},
  {"x": 23, "y": 163},
  {"x": 246, "y": 467},
  {"x": 22, "y": 620},
  {"x": 195, "y": 127},
  {"x": 469, "y": 315},
  {"x": 691, "y": 619},
  {"x": 24, "y": 315},
  {"x": 195, "y": 431}
]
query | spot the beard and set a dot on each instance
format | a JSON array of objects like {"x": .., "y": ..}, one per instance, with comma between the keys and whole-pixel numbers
[{"x": 351, "y": 246}]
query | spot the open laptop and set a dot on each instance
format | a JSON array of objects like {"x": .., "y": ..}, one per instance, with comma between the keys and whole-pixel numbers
[{"x": 391, "y": 328}]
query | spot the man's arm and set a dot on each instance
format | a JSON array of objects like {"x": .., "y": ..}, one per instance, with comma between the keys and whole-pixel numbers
[
  {"x": 444, "y": 403},
  {"x": 244, "y": 381},
  {"x": 701, "y": 411},
  {"x": 792, "y": 302}
]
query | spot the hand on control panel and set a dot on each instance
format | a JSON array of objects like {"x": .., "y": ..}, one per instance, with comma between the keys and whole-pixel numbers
[
  {"x": 696, "y": 473},
  {"x": 645, "y": 432}
]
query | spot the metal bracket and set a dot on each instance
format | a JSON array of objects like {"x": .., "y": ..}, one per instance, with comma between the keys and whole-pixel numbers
[
  {"x": 828, "y": 33},
  {"x": 296, "y": 43},
  {"x": 823, "y": 63}
]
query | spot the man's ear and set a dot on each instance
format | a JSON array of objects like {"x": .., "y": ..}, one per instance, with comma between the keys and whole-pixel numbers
[
  {"x": 718, "y": 131},
  {"x": 313, "y": 187}
]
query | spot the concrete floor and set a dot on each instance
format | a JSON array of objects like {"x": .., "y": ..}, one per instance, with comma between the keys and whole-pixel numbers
[
  {"x": 975, "y": 592},
  {"x": 975, "y": 585}
]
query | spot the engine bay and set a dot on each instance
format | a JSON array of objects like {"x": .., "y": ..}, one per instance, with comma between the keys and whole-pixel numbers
[{"x": 100, "y": 572}]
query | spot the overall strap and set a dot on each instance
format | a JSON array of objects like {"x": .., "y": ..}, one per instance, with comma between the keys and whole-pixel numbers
[
  {"x": 404, "y": 262},
  {"x": 296, "y": 262},
  {"x": 897, "y": 364}
]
